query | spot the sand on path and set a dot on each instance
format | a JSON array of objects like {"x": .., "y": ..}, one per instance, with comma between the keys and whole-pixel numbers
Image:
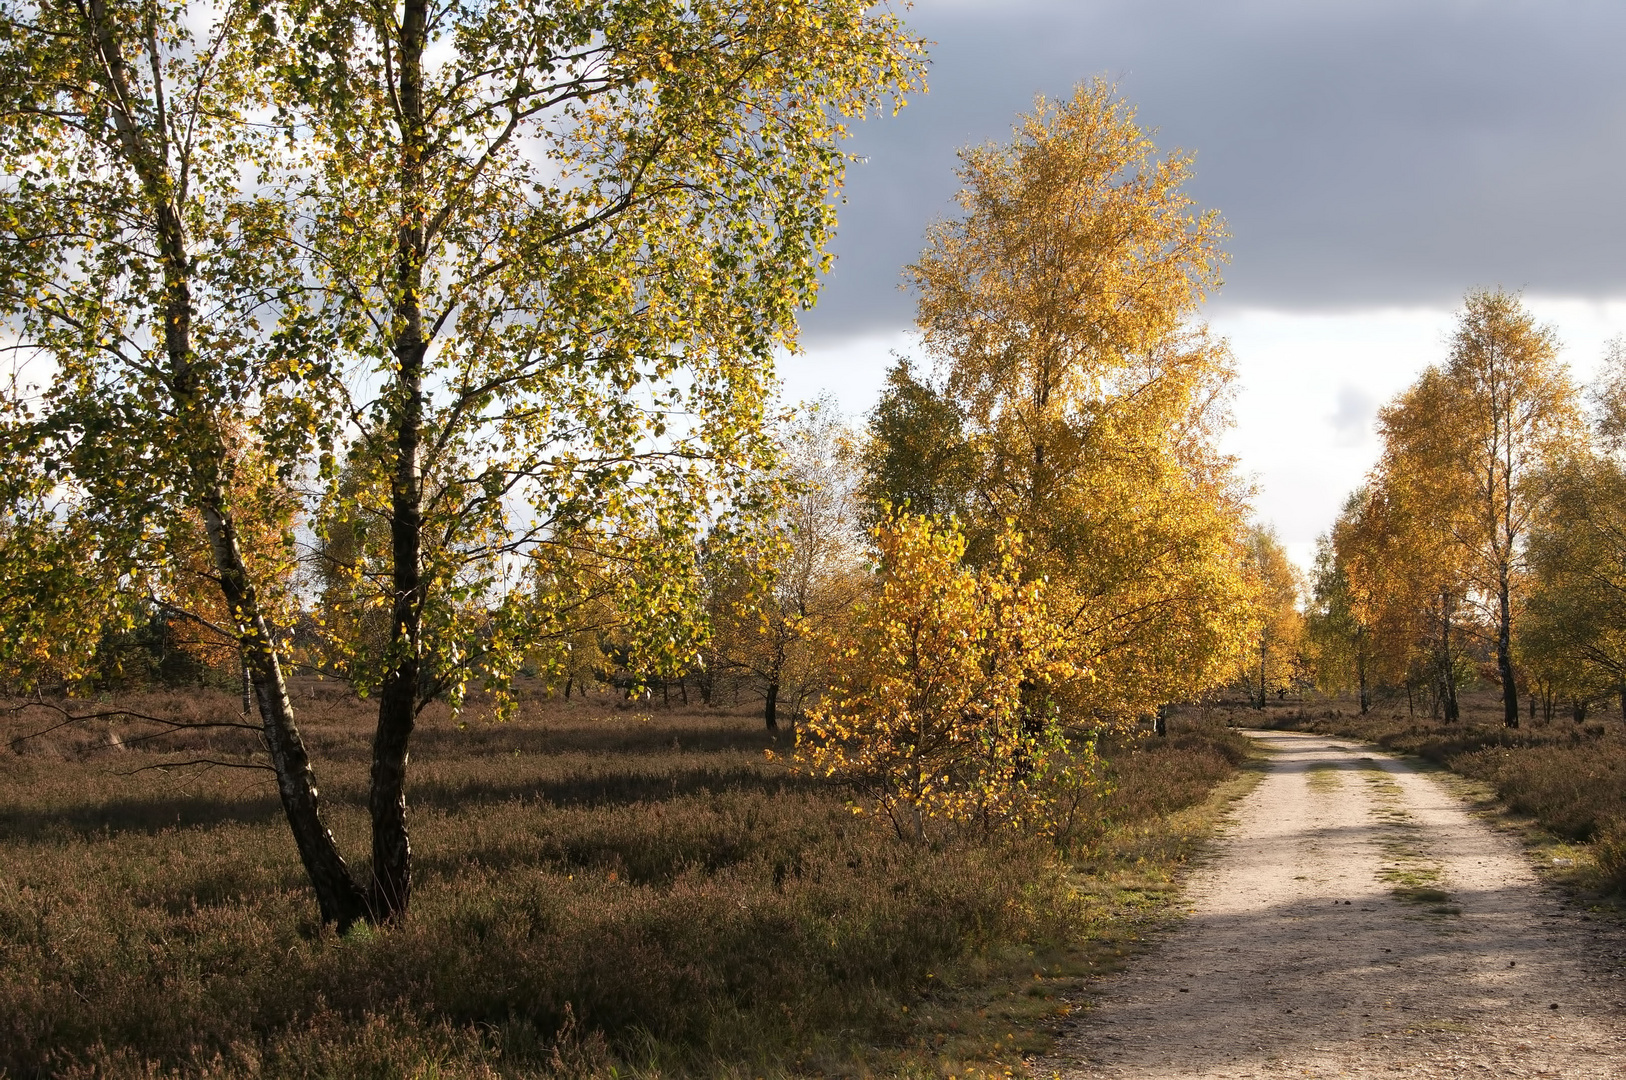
[{"x": 1298, "y": 958}]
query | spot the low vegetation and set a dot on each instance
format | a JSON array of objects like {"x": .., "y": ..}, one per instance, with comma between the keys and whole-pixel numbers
[{"x": 601, "y": 891}]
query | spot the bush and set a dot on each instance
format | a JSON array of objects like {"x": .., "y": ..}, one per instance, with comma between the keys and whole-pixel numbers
[{"x": 938, "y": 715}]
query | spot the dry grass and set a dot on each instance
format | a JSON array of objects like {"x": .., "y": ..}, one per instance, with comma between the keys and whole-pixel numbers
[{"x": 599, "y": 892}]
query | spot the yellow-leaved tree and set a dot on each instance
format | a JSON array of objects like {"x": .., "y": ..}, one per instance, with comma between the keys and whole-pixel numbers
[
  {"x": 1466, "y": 466},
  {"x": 939, "y": 714},
  {"x": 1061, "y": 307},
  {"x": 1572, "y": 638},
  {"x": 769, "y": 618},
  {"x": 1338, "y": 643},
  {"x": 1272, "y": 661},
  {"x": 1408, "y": 580}
]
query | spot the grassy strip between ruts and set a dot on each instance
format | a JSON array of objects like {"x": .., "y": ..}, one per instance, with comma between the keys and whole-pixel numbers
[
  {"x": 600, "y": 893},
  {"x": 1561, "y": 784}
]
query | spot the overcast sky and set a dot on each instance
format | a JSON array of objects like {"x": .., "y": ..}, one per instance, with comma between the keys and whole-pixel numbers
[{"x": 1372, "y": 159}]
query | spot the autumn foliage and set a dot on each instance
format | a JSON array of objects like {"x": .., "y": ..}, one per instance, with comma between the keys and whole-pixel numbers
[
  {"x": 941, "y": 714},
  {"x": 471, "y": 389},
  {"x": 1081, "y": 397},
  {"x": 1447, "y": 565}
]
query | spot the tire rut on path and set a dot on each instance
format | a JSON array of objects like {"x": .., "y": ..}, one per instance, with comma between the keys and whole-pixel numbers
[{"x": 1357, "y": 921}]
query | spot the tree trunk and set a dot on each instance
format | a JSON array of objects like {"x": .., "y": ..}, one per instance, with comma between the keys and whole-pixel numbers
[
  {"x": 1261, "y": 704},
  {"x": 1366, "y": 691},
  {"x": 770, "y": 708},
  {"x": 1504, "y": 656},
  {"x": 391, "y": 888},
  {"x": 338, "y": 897},
  {"x": 399, "y": 691},
  {"x": 1448, "y": 667},
  {"x": 1161, "y": 724}
]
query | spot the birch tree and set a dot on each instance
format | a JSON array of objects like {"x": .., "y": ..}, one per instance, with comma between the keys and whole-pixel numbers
[
  {"x": 1472, "y": 441},
  {"x": 139, "y": 270},
  {"x": 1275, "y": 648},
  {"x": 1574, "y": 627},
  {"x": 1337, "y": 633},
  {"x": 1061, "y": 305},
  {"x": 521, "y": 268}
]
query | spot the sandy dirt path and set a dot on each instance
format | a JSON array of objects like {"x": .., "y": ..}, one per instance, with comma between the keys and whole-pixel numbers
[{"x": 1298, "y": 958}]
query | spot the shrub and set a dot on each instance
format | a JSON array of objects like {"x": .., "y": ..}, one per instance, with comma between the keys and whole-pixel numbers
[{"x": 938, "y": 715}]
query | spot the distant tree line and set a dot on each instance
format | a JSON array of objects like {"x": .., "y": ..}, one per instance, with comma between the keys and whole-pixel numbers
[{"x": 1488, "y": 543}]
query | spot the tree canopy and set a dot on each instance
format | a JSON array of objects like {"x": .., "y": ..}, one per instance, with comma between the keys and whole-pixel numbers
[
  {"x": 503, "y": 283},
  {"x": 1061, "y": 307}
]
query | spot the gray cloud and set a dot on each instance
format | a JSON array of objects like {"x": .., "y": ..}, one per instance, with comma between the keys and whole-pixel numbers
[
  {"x": 1363, "y": 152},
  {"x": 1351, "y": 419}
]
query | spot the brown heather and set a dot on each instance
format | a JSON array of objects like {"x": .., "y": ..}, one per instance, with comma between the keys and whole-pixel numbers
[{"x": 602, "y": 892}]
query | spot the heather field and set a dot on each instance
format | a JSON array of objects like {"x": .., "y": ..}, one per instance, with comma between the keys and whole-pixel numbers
[{"x": 601, "y": 891}]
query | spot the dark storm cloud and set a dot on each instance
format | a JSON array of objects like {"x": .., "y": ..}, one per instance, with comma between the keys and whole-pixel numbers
[{"x": 1363, "y": 152}]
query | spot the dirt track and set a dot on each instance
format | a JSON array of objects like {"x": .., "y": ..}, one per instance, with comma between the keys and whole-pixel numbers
[{"x": 1299, "y": 959}]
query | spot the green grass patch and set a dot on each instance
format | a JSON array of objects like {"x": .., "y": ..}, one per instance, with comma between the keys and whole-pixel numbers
[
  {"x": 1325, "y": 777},
  {"x": 1421, "y": 894}
]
